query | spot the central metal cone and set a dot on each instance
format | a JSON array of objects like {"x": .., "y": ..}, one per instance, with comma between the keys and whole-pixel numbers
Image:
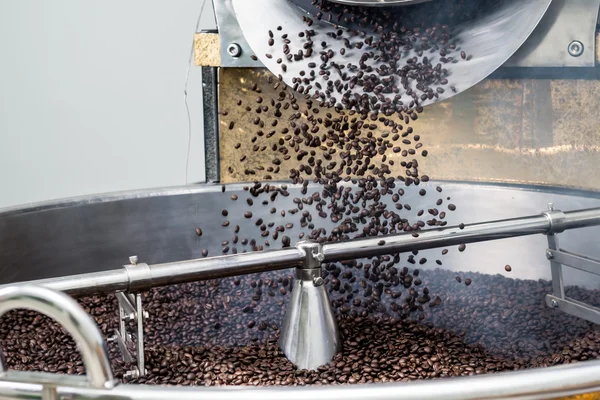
[{"x": 309, "y": 335}]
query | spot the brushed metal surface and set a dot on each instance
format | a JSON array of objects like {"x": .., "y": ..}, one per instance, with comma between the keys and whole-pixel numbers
[
  {"x": 229, "y": 33},
  {"x": 99, "y": 233},
  {"x": 564, "y": 22}
]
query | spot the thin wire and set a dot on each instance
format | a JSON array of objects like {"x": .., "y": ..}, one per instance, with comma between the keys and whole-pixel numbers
[{"x": 185, "y": 94}]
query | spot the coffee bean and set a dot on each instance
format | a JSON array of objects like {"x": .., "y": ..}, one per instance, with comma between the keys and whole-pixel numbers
[{"x": 507, "y": 268}]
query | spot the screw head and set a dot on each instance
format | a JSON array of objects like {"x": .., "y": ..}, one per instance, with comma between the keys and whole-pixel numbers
[
  {"x": 133, "y": 260},
  {"x": 576, "y": 48},
  {"x": 554, "y": 303},
  {"x": 549, "y": 255},
  {"x": 318, "y": 281},
  {"x": 234, "y": 50}
]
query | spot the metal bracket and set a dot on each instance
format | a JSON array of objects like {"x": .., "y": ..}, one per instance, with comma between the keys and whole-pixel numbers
[
  {"x": 131, "y": 310},
  {"x": 235, "y": 50},
  {"x": 559, "y": 258},
  {"x": 565, "y": 37}
]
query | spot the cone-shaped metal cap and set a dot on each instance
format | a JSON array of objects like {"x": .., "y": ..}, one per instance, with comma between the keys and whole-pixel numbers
[{"x": 309, "y": 335}]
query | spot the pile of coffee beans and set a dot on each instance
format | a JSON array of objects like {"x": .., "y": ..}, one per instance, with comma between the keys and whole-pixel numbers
[{"x": 204, "y": 334}]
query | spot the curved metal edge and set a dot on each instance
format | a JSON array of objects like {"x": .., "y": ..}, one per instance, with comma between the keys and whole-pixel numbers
[
  {"x": 551, "y": 382},
  {"x": 211, "y": 188},
  {"x": 64, "y": 310},
  {"x": 483, "y": 26},
  {"x": 491, "y": 40}
]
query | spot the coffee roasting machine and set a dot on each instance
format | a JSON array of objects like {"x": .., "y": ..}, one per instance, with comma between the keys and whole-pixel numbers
[{"x": 514, "y": 144}]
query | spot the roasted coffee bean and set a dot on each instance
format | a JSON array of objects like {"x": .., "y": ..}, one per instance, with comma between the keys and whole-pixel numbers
[{"x": 507, "y": 268}]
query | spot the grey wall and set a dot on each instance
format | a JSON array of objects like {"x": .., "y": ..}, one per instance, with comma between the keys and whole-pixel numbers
[{"x": 91, "y": 96}]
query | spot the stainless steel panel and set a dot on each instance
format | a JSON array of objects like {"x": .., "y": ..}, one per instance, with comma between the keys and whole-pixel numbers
[
  {"x": 565, "y": 21},
  {"x": 99, "y": 233},
  {"x": 230, "y": 33}
]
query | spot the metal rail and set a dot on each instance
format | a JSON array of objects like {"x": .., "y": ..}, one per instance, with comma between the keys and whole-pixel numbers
[
  {"x": 539, "y": 383},
  {"x": 64, "y": 310},
  {"x": 142, "y": 276}
]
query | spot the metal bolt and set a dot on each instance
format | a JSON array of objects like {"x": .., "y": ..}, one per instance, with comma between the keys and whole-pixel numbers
[
  {"x": 554, "y": 303},
  {"x": 111, "y": 339},
  {"x": 129, "y": 317},
  {"x": 132, "y": 374},
  {"x": 234, "y": 50},
  {"x": 575, "y": 48},
  {"x": 318, "y": 281},
  {"x": 133, "y": 260},
  {"x": 549, "y": 255},
  {"x": 146, "y": 315},
  {"x": 550, "y": 206}
]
